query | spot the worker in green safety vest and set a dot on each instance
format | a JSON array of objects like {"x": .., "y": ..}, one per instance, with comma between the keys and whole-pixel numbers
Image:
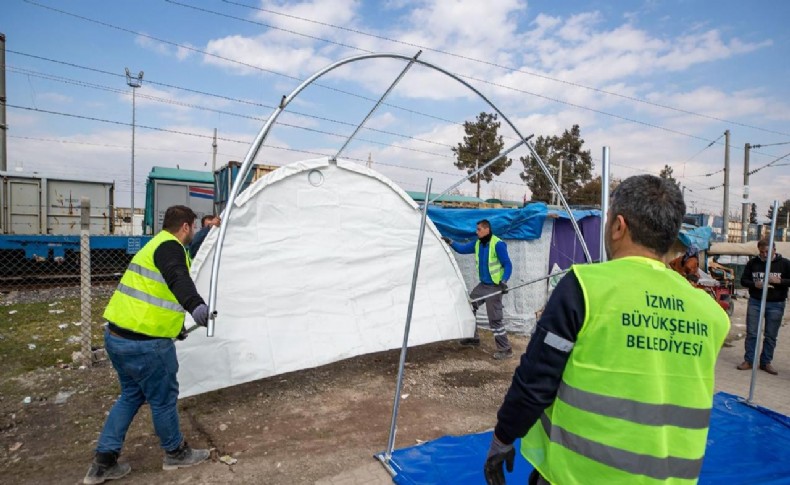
[
  {"x": 616, "y": 384},
  {"x": 145, "y": 314},
  {"x": 494, "y": 270}
]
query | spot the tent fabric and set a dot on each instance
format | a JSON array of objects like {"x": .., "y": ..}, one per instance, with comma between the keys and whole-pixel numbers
[
  {"x": 746, "y": 249},
  {"x": 565, "y": 247},
  {"x": 459, "y": 224},
  {"x": 746, "y": 444},
  {"x": 316, "y": 267}
]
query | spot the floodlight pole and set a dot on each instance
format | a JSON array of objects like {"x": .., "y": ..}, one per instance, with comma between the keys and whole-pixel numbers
[
  {"x": 134, "y": 82},
  {"x": 405, "y": 347},
  {"x": 604, "y": 200},
  {"x": 378, "y": 103},
  {"x": 757, "y": 345}
]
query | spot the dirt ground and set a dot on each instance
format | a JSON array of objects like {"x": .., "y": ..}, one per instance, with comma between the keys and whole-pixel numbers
[{"x": 294, "y": 428}]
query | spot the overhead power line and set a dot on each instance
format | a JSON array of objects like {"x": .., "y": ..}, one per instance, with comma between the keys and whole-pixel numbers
[
  {"x": 481, "y": 61},
  {"x": 228, "y": 113},
  {"x": 230, "y": 98},
  {"x": 251, "y": 66},
  {"x": 198, "y": 135}
]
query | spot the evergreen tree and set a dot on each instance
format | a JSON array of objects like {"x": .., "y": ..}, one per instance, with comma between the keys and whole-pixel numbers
[
  {"x": 555, "y": 150},
  {"x": 666, "y": 173},
  {"x": 481, "y": 143}
]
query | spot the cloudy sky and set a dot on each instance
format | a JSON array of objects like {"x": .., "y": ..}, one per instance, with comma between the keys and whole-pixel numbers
[{"x": 658, "y": 82}]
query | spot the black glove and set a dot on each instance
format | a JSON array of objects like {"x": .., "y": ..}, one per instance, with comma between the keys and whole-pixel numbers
[
  {"x": 447, "y": 240},
  {"x": 503, "y": 287},
  {"x": 497, "y": 454},
  {"x": 183, "y": 334},
  {"x": 200, "y": 315}
]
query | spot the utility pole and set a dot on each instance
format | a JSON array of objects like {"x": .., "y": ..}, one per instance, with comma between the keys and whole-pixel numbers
[
  {"x": 369, "y": 163},
  {"x": 3, "y": 125},
  {"x": 725, "y": 224},
  {"x": 134, "y": 83},
  {"x": 559, "y": 182},
  {"x": 477, "y": 160},
  {"x": 746, "y": 210},
  {"x": 214, "y": 153}
]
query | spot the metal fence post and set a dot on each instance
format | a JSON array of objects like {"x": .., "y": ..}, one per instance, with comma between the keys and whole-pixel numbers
[{"x": 85, "y": 280}]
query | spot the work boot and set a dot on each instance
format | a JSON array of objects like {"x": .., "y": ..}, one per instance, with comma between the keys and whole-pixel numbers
[
  {"x": 769, "y": 369},
  {"x": 503, "y": 354},
  {"x": 744, "y": 365},
  {"x": 105, "y": 467},
  {"x": 184, "y": 456},
  {"x": 470, "y": 342}
]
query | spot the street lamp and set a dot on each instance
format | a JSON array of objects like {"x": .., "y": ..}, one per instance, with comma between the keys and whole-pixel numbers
[{"x": 134, "y": 83}]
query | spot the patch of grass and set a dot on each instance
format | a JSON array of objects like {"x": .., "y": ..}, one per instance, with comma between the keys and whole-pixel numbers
[{"x": 30, "y": 336}]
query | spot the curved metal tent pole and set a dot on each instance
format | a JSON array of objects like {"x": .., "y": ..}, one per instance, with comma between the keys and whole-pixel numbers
[{"x": 261, "y": 137}]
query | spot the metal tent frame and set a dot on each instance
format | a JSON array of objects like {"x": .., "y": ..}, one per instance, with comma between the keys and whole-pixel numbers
[{"x": 264, "y": 132}]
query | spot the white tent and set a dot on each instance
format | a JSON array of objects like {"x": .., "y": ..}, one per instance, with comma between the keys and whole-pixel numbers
[{"x": 316, "y": 267}]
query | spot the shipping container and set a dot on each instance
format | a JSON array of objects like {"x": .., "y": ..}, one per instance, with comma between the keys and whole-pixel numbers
[
  {"x": 37, "y": 204},
  {"x": 171, "y": 186},
  {"x": 225, "y": 176}
]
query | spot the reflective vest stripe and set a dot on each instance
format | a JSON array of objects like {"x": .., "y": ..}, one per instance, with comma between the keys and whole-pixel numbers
[
  {"x": 145, "y": 297},
  {"x": 636, "y": 412},
  {"x": 151, "y": 275},
  {"x": 626, "y": 461}
]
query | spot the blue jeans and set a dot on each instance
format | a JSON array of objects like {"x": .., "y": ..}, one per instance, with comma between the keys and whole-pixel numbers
[
  {"x": 774, "y": 311},
  {"x": 147, "y": 372}
]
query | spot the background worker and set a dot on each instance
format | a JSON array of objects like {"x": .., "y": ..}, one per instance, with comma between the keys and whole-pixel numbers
[
  {"x": 687, "y": 264},
  {"x": 778, "y": 283},
  {"x": 144, "y": 315},
  {"x": 494, "y": 269},
  {"x": 206, "y": 223},
  {"x": 616, "y": 384}
]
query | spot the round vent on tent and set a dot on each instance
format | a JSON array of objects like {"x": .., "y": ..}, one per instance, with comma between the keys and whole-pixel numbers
[{"x": 315, "y": 177}]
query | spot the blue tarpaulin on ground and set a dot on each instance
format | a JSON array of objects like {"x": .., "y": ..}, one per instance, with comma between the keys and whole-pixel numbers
[
  {"x": 525, "y": 223},
  {"x": 746, "y": 445}
]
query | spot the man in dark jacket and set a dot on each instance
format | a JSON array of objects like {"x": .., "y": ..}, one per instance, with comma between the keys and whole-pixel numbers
[
  {"x": 144, "y": 315},
  {"x": 206, "y": 223},
  {"x": 778, "y": 283}
]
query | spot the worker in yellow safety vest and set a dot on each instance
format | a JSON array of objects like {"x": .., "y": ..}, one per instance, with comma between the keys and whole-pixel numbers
[
  {"x": 494, "y": 270},
  {"x": 144, "y": 315},
  {"x": 616, "y": 385}
]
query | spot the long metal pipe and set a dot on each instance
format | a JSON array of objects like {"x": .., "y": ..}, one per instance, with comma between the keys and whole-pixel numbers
[
  {"x": 604, "y": 200},
  {"x": 261, "y": 137},
  {"x": 405, "y": 347},
  {"x": 500, "y": 155},
  {"x": 761, "y": 326},
  {"x": 378, "y": 103},
  {"x": 525, "y": 283}
]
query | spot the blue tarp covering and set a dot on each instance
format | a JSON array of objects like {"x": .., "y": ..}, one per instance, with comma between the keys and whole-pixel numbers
[
  {"x": 746, "y": 445},
  {"x": 578, "y": 214},
  {"x": 699, "y": 236},
  {"x": 525, "y": 223}
]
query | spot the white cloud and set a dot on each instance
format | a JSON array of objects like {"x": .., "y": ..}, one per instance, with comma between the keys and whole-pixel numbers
[
  {"x": 336, "y": 12},
  {"x": 56, "y": 98}
]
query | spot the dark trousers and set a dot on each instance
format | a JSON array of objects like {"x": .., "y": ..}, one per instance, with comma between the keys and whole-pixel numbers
[
  {"x": 495, "y": 313},
  {"x": 774, "y": 311}
]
